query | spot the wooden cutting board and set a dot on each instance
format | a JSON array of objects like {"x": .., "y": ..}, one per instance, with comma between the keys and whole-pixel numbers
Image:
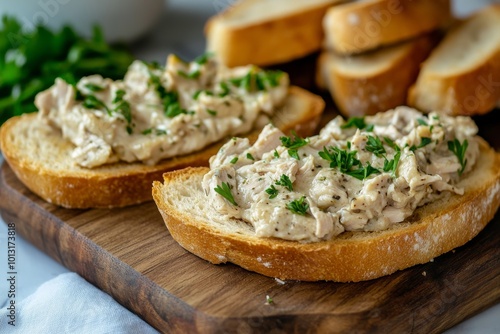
[{"x": 130, "y": 254}]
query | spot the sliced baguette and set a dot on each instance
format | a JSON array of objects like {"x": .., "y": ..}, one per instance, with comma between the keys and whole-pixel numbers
[
  {"x": 41, "y": 159},
  {"x": 462, "y": 75},
  {"x": 365, "y": 25},
  {"x": 434, "y": 229},
  {"x": 375, "y": 81},
  {"x": 266, "y": 32}
]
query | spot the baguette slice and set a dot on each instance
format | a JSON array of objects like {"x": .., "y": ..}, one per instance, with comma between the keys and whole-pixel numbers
[
  {"x": 462, "y": 75},
  {"x": 266, "y": 32},
  {"x": 41, "y": 159},
  {"x": 434, "y": 229},
  {"x": 365, "y": 25},
  {"x": 376, "y": 81}
]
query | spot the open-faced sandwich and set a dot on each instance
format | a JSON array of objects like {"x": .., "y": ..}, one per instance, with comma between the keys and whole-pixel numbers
[
  {"x": 101, "y": 143},
  {"x": 362, "y": 199}
]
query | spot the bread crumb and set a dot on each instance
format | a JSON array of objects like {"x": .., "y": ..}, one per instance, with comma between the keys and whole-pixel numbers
[
  {"x": 279, "y": 281},
  {"x": 431, "y": 260},
  {"x": 424, "y": 273},
  {"x": 269, "y": 300},
  {"x": 453, "y": 251}
]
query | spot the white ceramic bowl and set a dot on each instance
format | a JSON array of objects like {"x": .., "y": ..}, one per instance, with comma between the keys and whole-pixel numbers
[{"x": 121, "y": 20}]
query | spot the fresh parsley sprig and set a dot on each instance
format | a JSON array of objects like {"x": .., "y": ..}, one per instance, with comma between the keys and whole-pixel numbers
[
  {"x": 298, "y": 206},
  {"x": 374, "y": 145},
  {"x": 424, "y": 141},
  {"x": 293, "y": 144},
  {"x": 459, "y": 150},
  {"x": 225, "y": 191},
  {"x": 285, "y": 181},
  {"x": 357, "y": 122},
  {"x": 272, "y": 191}
]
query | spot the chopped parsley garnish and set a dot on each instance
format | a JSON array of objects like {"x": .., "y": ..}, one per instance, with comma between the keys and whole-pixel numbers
[
  {"x": 92, "y": 102},
  {"x": 293, "y": 144},
  {"x": 298, "y": 206},
  {"x": 345, "y": 161},
  {"x": 276, "y": 154},
  {"x": 357, "y": 122},
  {"x": 224, "y": 88},
  {"x": 191, "y": 75},
  {"x": 234, "y": 160},
  {"x": 93, "y": 87},
  {"x": 212, "y": 112},
  {"x": 374, "y": 145},
  {"x": 285, "y": 182},
  {"x": 157, "y": 132},
  {"x": 421, "y": 121},
  {"x": 250, "y": 157},
  {"x": 459, "y": 151},
  {"x": 272, "y": 191},
  {"x": 123, "y": 107},
  {"x": 258, "y": 81},
  {"x": 392, "y": 165},
  {"x": 341, "y": 159},
  {"x": 202, "y": 59},
  {"x": 225, "y": 191},
  {"x": 423, "y": 142},
  {"x": 363, "y": 172}
]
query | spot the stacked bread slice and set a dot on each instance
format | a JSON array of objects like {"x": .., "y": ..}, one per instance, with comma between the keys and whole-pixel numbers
[{"x": 374, "y": 49}]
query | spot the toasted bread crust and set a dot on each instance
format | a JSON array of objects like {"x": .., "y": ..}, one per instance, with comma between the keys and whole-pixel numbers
[
  {"x": 49, "y": 172},
  {"x": 471, "y": 91},
  {"x": 358, "y": 94},
  {"x": 273, "y": 41},
  {"x": 435, "y": 229},
  {"x": 365, "y": 25}
]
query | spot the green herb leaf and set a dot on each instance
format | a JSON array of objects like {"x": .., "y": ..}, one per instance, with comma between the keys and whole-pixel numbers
[
  {"x": 92, "y": 102},
  {"x": 357, "y": 122},
  {"x": 224, "y": 89},
  {"x": 424, "y": 141},
  {"x": 285, "y": 182},
  {"x": 374, "y": 145},
  {"x": 392, "y": 165},
  {"x": 250, "y": 157},
  {"x": 298, "y": 206},
  {"x": 192, "y": 75},
  {"x": 93, "y": 87},
  {"x": 293, "y": 144},
  {"x": 212, "y": 112},
  {"x": 422, "y": 121},
  {"x": 225, "y": 191},
  {"x": 363, "y": 172},
  {"x": 276, "y": 154},
  {"x": 341, "y": 159},
  {"x": 459, "y": 150},
  {"x": 202, "y": 59},
  {"x": 234, "y": 160},
  {"x": 272, "y": 192}
]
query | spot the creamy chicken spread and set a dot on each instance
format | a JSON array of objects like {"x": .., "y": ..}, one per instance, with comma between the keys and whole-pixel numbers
[
  {"x": 364, "y": 174},
  {"x": 156, "y": 113}
]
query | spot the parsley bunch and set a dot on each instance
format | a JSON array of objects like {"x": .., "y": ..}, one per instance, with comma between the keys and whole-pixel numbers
[{"x": 31, "y": 61}]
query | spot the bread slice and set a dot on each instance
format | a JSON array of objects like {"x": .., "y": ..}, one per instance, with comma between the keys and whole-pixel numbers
[
  {"x": 41, "y": 159},
  {"x": 434, "y": 229},
  {"x": 365, "y": 25},
  {"x": 462, "y": 75},
  {"x": 266, "y": 32},
  {"x": 375, "y": 81}
]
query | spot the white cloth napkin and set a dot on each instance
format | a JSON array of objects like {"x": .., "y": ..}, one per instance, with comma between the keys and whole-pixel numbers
[{"x": 69, "y": 304}]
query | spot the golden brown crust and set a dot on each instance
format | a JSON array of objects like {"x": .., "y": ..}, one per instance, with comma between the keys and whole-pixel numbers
[
  {"x": 49, "y": 173},
  {"x": 278, "y": 40},
  {"x": 365, "y": 25},
  {"x": 358, "y": 94},
  {"x": 436, "y": 229},
  {"x": 473, "y": 91}
]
